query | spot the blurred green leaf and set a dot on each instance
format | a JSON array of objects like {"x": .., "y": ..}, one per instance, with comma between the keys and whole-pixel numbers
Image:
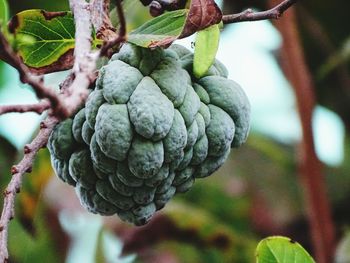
[
  {"x": 272, "y": 176},
  {"x": 160, "y": 31},
  {"x": 43, "y": 247},
  {"x": 207, "y": 43},
  {"x": 4, "y": 14},
  {"x": 334, "y": 61},
  {"x": 99, "y": 255},
  {"x": 215, "y": 241},
  {"x": 20, "y": 5},
  {"x": 281, "y": 250},
  {"x": 210, "y": 195},
  {"x": 137, "y": 14},
  {"x": 31, "y": 191}
]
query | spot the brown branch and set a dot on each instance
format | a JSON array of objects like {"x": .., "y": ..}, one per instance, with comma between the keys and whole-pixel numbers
[
  {"x": 121, "y": 33},
  {"x": 312, "y": 179},
  {"x": 101, "y": 21},
  {"x": 24, "y": 166},
  {"x": 39, "y": 107},
  {"x": 249, "y": 15},
  {"x": 85, "y": 59},
  {"x": 122, "y": 22}
]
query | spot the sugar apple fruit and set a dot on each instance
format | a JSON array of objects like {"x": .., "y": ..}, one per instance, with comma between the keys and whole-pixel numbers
[{"x": 147, "y": 131}]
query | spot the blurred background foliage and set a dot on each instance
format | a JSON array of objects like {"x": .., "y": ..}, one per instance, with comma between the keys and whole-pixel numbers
[{"x": 255, "y": 194}]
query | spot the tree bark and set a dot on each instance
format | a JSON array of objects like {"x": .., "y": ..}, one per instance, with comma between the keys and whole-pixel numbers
[{"x": 310, "y": 168}]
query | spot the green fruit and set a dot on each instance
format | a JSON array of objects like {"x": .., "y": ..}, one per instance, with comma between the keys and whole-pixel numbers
[
  {"x": 113, "y": 118},
  {"x": 147, "y": 131},
  {"x": 150, "y": 111}
]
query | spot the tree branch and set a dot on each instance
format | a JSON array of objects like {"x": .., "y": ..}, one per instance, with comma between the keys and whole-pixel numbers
[
  {"x": 101, "y": 21},
  {"x": 249, "y": 15},
  {"x": 311, "y": 176},
  {"x": 83, "y": 30},
  {"x": 18, "y": 171},
  {"x": 121, "y": 33},
  {"x": 85, "y": 59},
  {"x": 39, "y": 107}
]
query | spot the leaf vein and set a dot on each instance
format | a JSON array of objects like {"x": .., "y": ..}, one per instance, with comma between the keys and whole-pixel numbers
[
  {"x": 44, "y": 26},
  {"x": 30, "y": 33},
  {"x": 64, "y": 28},
  {"x": 53, "y": 51},
  {"x": 31, "y": 53}
]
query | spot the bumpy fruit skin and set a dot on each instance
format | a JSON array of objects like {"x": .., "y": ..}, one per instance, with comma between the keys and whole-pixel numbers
[{"x": 148, "y": 130}]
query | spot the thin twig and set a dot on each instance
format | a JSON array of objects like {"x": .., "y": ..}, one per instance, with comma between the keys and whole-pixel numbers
[
  {"x": 311, "y": 176},
  {"x": 121, "y": 33},
  {"x": 122, "y": 22},
  {"x": 249, "y": 15},
  {"x": 39, "y": 107},
  {"x": 101, "y": 21},
  {"x": 18, "y": 171}
]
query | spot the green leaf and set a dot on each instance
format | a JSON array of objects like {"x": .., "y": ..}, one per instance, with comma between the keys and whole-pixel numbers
[
  {"x": 52, "y": 35},
  {"x": 43, "y": 245},
  {"x": 340, "y": 57},
  {"x": 4, "y": 16},
  {"x": 160, "y": 31},
  {"x": 279, "y": 249},
  {"x": 207, "y": 43}
]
